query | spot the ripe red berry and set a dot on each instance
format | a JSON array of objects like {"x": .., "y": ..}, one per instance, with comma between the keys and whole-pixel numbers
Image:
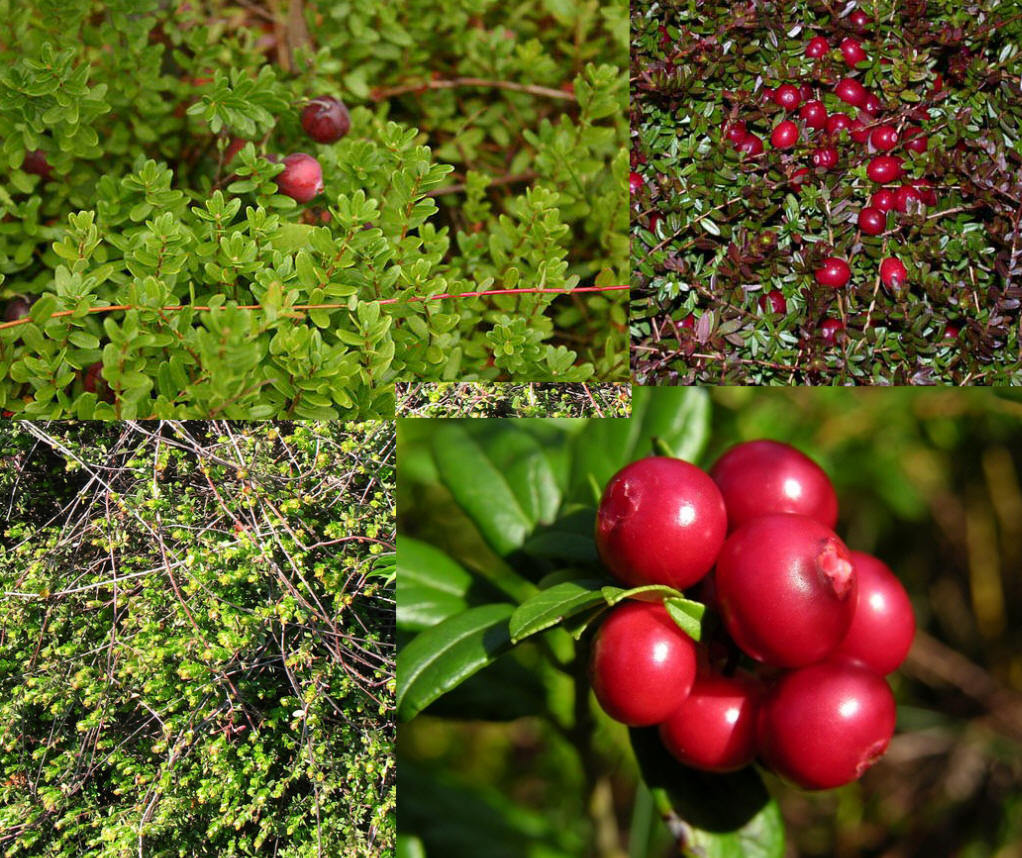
[
  {"x": 824, "y": 725},
  {"x": 884, "y": 168},
  {"x": 326, "y": 119},
  {"x": 787, "y": 96},
  {"x": 635, "y": 183},
  {"x": 858, "y": 130},
  {"x": 36, "y": 162},
  {"x": 859, "y": 19},
  {"x": 813, "y": 114},
  {"x": 736, "y": 131},
  {"x": 884, "y": 137},
  {"x": 817, "y": 47},
  {"x": 851, "y": 50},
  {"x": 872, "y": 104},
  {"x": 883, "y": 200},
  {"x": 952, "y": 332},
  {"x": 660, "y": 521},
  {"x": 654, "y": 221},
  {"x": 758, "y": 478},
  {"x": 798, "y": 177},
  {"x": 92, "y": 378},
  {"x": 233, "y": 148},
  {"x": 851, "y": 91},
  {"x": 872, "y": 221},
  {"x": 714, "y": 729},
  {"x": 926, "y": 192},
  {"x": 766, "y": 94},
  {"x": 892, "y": 272},
  {"x": 17, "y": 308},
  {"x": 786, "y": 589},
  {"x": 774, "y": 300},
  {"x": 833, "y": 272},
  {"x": 883, "y": 624},
  {"x": 825, "y": 157},
  {"x": 837, "y": 122},
  {"x": 302, "y": 178},
  {"x": 642, "y": 665},
  {"x": 806, "y": 91},
  {"x": 688, "y": 323},
  {"x": 751, "y": 145},
  {"x": 785, "y": 135},
  {"x": 916, "y": 140},
  {"x": 938, "y": 84},
  {"x": 902, "y": 196},
  {"x": 830, "y": 329}
]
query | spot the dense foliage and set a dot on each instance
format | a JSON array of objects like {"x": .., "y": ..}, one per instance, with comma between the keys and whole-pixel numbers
[
  {"x": 171, "y": 278},
  {"x": 464, "y": 399},
  {"x": 503, "y": 750},
  {"x": 196, "y": 639},
  {"x": 725, "y": 245}
]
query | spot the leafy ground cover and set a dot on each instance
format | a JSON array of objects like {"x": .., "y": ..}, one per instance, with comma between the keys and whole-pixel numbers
[
  {"x": 196, "y": 639},
  {"x": 464, "y": 399}
]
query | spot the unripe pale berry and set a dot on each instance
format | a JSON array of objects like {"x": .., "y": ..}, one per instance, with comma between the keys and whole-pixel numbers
[
  {"x": 302, "y": 179},
  {"x": 884, "y": 137},
  {"x": 817, "y": 47},
  {"x": 833, "y": 272},
  {"x": 786, "y": 588},
  {"x": 764, "y": 477},
  {"x": 884, "y": 168},
  {"x": 642, "y": 665},
  {"x": 824, "y": 725},
  {"x": 892, "y": 272},
  {"x": 785, "y": 135},
  {"x": 872, "y": 221},
  {"x": 787, "y": 96},
  {"x": 326, "y": 119},
  {"x": 851, "y": 92},
  {"x": 883, "y": 624},
  {"x": 660, "y": 521},
  {"x": 714, "y": 729},
  {"x": 813, "y": 114}
]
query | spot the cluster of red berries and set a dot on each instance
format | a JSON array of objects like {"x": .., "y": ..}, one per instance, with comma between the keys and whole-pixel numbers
[
  {"x": 325, "y": 120},
  {"x": 794, "y": 674}
]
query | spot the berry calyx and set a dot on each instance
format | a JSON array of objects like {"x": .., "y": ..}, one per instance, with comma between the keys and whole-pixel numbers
[
  {"x": 635, "y": 183},
  {"x": 883, "y": 200},
  {"x": 851, "y": 92},
  {"x": 872, "y": 221},
  {"x": 833, "y": 272},
  {"x": 817, "y": 47},
  {"x": 825, "y": 157},
  {"x": 813, "y": 114},
  {"x": 883, "y": 624},
  {"x": 892, "y": 272},
  {"x": 773, "y": 302},
  {"x": 660, "y": 521},
  {"x": 826, "y": 724},
  {"x": 884, "y": 168},
  {"x": 302, "y": 179},
  {"x": 759, "y": 478},
  {"x": 786, "y": 588},
  {"x": 326, "y": 119},
  {"x": 714, "y": 729},
  {"x": 884, "y": 137},
  {"x": 787, "y": 96},
  {"x": 642, "y": 665},
  {"x": 830, "y": 329},
  {"x": 751, "y": 145},
  {"x": 851, "y": 50},
  {"x": 785, "y": 135}
]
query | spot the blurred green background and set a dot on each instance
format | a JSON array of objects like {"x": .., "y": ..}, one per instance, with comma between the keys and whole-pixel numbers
[{"x": 929, "y": 480}]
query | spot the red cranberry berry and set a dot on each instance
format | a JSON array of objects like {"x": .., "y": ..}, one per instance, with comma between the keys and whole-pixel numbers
[
  {"x": 859, "y": 19},
  {"x": 660, "y": 521},
  {"x": 825, "y": 157},
  {"x": 751, "y": 145},
  {"x": 635, "y": 183},
  {"x": 926, "y": 192},
  {"x": 736, "y": 131},
  {"x": 833, "y": 272},
  {"x": 851, "y": 50},
  {"x": 302, "y": 179},
  {"x": 36, "y": 162},
  {"x": 92, "y": 379},
  {"x": 643, "y": 665},
  {"x": 851, "y": 92},
  {"x": 883, "y": 624},
  {"x": 916, "y": 140},
  {"x": 787, "y": 96},
  {"x": 817, "y": 47},
  {"x": 884, "y": 137},
  {"x": 714, "y": 729},
  {"x": 892, "y": 273},
  {"x": 785, "y": 135},
  {"x": 758, "y": 478},
  {"x": 806, "y": 91},
  {"x": 872, "y": 104},
  {"x": 766, "y": 94},
  {"x": 838, "y": 122},
  {"x": 858, "y": 131},
  {"x": 883, "y": 200},
  {"x": 824, "y": 725},
  {"x": 17, "y": 308},
  {"x": 326, "y": 119},
  {"x": 774, "y": 300},
  {"x": 830, "y": 329},
  {"x": 952, "y": 332},
  {"x": 786, "y": 589},
  {"x": 902, "y": 196},
  {"x": 872, "y": 221},
  {"x": 688, "y": 323},
  {"x": 654, "y": 221},
  {"x": 884, "y": 168},
  {"x": 798, "y": 177},
  {"x": 813, "y": 114}
]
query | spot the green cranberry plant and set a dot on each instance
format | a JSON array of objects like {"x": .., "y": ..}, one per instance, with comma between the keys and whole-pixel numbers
[
  {"x": 197, "y": 639},
  {"x": 256, "y": 210},
  {"x": 826, "y": 193},
  {"x": 536, "y": 399}
]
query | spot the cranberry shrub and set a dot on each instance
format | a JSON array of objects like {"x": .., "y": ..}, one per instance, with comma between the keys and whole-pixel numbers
[
  {"x": 720, "y": 221},
  {"x": 145, "y": 146}
]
